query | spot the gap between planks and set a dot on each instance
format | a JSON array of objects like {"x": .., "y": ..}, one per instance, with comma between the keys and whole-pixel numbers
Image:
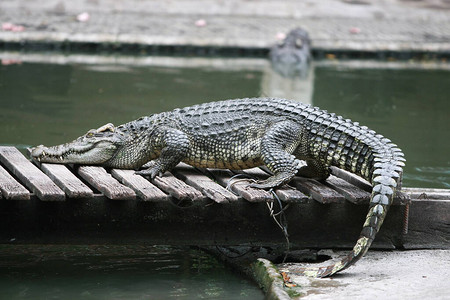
[
  {"x": 177, "y": 188},
  {"x": 142, "y": 187},
  {"x": 105, "y": 183},
  {"x": 285, "y": 193},
  {"x": 67, "y": 181},
  {"x": 241, "y": 188},
  {"x": 203, "y": 183}
]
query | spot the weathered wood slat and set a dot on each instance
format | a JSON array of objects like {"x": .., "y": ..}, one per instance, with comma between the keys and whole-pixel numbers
[
  {"x": 318, "y": 191},
  {"x": 10, "y": 188},
  {"x": 286, "y": 193},
  {"x": 429, "y": 221},
  {"x": 177, "y": 188},
  {"x": 291, "y": 195},
  {"x": 142, "y": 187},
  {"x": 67, "y": 181},
  {"x": 241, "y": 188},
  {"x": 105, "y": 183},
  {"x": 351, "y": 192},
  {"x": 399, "y": 199},
  {"x": 430, "y": 194},
  {"x": 30, "y": 175},
  {"x": 203, "y": 183},
  {"x": 352, "y": 179}
]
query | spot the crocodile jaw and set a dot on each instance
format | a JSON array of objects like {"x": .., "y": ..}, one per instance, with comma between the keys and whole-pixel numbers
[
  {"x": 75, "y": 152},
  {"x": 96, "y": 147}
]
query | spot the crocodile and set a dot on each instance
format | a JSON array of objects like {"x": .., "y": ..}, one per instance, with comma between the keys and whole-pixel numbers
[
  {"x": 291, "y": 56},
  {"x": 246, "y": 133}
]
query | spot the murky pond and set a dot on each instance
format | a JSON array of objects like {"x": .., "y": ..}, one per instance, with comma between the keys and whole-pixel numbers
[
  {"x": 409, "y": 106},
  {"x": 117, "y": 272},
  {"x": 50, "y": 103}
]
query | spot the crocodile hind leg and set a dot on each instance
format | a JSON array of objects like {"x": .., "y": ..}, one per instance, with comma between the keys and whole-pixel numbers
[
  {"x": 175, "y": 146},
  {"x": 277, "y": 146},
  {"x": 314, "y": 169}
]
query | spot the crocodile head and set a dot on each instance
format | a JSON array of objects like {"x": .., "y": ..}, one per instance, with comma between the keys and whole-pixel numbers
[{"x": 96, "y": 147}]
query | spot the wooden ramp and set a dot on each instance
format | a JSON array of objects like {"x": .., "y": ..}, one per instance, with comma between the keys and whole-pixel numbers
[
  {"x": 21, "y": 179},
  {"x": 59, "y": 197}
]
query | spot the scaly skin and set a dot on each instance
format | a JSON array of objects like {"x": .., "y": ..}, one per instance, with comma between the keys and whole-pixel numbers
[{"x": 245, "y": 133}]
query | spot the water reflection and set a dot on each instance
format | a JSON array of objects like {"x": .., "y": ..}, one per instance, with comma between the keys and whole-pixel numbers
[
  {"x": 291, "y": 55},
  {"x": 291, "y": 75},
  {"x": 297, "y": 88}
]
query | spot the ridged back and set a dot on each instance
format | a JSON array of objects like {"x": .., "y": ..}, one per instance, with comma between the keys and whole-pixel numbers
[{"x": 335, "y": 141}]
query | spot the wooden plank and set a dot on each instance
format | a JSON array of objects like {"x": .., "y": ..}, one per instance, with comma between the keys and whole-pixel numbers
[
  {"x": 143, "y": 188},
  {"x": 286, "y": 193},
  {"x": 399, "y": 199},
  {"x": 431, "y": 194},
  {"x": 10, "y": 188},
  {"x": 428, "y": 224},
  {"x": 105, "y": 183},
  {"x": 67, "y": 181},
  {"x": 177, "y": 188},
  {"x": 351, "y": 192},
  {"x": 317, "y": 190},
  {"x": 352, "y": 179},
  {"x": 204, "y": 184},
  {"x": 241, "y": 188},
  {"x": 30, "y": 175},
  {"x": 289, "y": 194},
  {"x": 136, "y": 222}
]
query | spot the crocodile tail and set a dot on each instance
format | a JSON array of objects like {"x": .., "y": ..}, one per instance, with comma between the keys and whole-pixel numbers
[{"x": 385, "y": 169}]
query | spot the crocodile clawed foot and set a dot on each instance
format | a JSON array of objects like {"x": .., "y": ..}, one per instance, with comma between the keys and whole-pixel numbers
[
  {"x": 274, "y": 181},
  {"x": 262, "y": 185},
  {"x": 267, "y": 184},
  {"x": 150, "y": 172}
]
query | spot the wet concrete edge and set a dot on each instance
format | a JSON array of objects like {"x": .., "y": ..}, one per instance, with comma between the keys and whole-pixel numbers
[{"x": 270, "y": 280}]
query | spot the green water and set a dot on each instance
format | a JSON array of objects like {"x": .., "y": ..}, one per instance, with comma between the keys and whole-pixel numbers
[
  {"x": 116, "y": 272},
  {"x": 48, "y": 103},
  {"x": 410, "y": 107},
  {"x": 53, "y": 103}
]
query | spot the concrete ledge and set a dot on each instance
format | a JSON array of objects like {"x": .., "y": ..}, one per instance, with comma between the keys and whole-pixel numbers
[
  {"x": 338, "y": 26},
  {"x": 269, "y": 279},
  {"x": 381, "y": 275}
]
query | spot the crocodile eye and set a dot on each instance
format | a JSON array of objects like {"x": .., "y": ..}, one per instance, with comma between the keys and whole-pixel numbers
[{"x": 90, "y": 133}]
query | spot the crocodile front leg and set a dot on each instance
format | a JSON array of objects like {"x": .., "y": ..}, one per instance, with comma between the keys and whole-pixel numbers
[
  {"x": 277, "y": 146},
  {"x": 175, "y": 146}
]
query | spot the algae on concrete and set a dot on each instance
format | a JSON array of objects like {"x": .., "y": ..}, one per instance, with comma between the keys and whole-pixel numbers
[{"x": 270, "y": 280}]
